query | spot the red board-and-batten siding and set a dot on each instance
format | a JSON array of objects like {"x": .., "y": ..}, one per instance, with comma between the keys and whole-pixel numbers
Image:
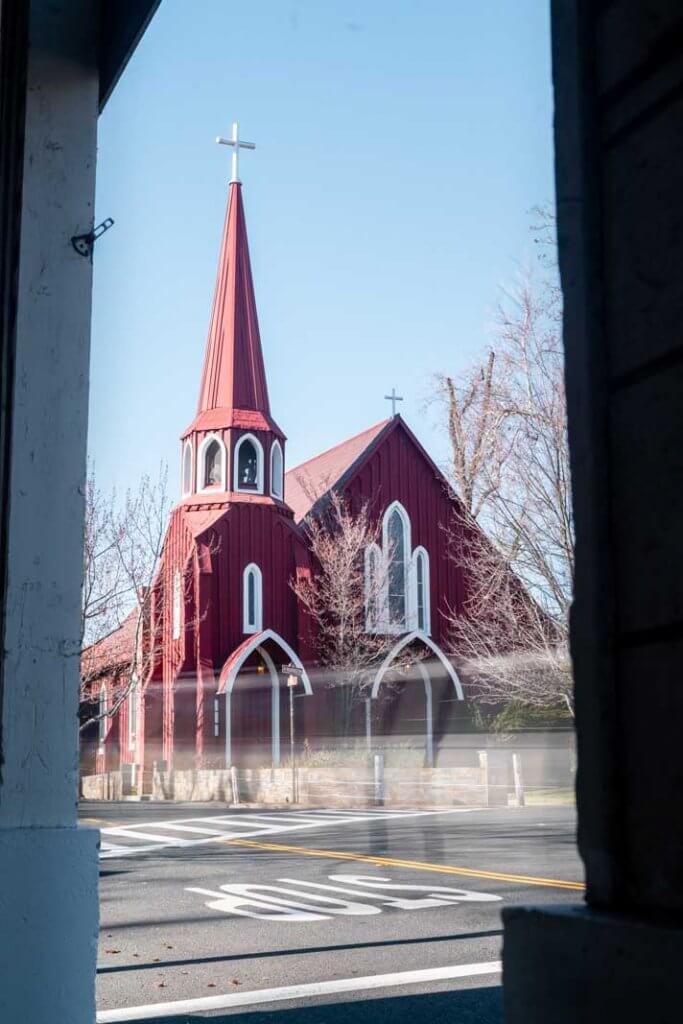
[
  {"x": 393, "y": 468},
  {"x": 236, "y": 535},
  {"x": 398, "y": 471}
]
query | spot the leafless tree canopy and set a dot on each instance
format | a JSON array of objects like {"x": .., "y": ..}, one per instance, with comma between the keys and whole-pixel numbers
[
  {"x": 338, "y": 594},
  {"x": 121, "y": 550},
  {"x": 513, "y": 536}
]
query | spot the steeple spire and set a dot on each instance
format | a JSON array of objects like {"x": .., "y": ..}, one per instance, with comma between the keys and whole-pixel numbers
[
  {"x": 234, "y": 376},
  {"x": 233, "y": 446}
]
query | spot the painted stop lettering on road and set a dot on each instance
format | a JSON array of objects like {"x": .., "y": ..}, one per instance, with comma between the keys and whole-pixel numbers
[{"x": 315, "y": 901}]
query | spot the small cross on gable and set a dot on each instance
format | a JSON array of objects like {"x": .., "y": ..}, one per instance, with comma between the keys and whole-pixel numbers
[{"x": 393, "y": 398}]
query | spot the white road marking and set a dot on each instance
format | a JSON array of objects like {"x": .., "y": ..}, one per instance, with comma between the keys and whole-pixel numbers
[
  {"x": 252, "y": 825},
  {"x": 191, "y": 828},
  {"x": 130, "y": 833},
  {"x": 255, "y": 899},
  {"x": 308, "y": 990}
]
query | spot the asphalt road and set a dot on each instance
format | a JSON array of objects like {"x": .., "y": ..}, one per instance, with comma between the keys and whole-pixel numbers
[{"x": 323, "y": 913}]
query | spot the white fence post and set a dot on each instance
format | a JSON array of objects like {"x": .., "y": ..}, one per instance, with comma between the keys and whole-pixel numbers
[
  {"x": 484, "y": 766},
  {"x": 379, "y": 778},
  {"x": 235, "y": 785},
  {"x": 519, "y": 782}
]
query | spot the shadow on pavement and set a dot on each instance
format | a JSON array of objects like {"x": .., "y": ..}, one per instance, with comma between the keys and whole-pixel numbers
[
  {"x": 157, "y": 965},
  {"x": 466, "y": 1006}
]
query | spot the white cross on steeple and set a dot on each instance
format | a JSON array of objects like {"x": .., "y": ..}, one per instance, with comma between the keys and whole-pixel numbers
[
  {"x": 237, "y": 144},
  {"x": 393, "y": 398}
]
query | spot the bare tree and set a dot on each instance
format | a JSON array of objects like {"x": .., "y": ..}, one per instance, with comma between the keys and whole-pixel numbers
[
  {"x": 121, "y": 552},
  {"x": 513, "y": 534},
  {"x": 344, "y": 597}
]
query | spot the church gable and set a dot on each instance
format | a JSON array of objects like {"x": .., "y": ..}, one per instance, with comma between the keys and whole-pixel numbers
[
  {"x": 307, "y": 485},
  {"x": 386, "y": 469}
]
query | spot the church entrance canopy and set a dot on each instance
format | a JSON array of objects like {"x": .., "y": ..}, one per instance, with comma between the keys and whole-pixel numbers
[
  {"x": 399, "y": 699},
  {"x": 253, "y": 710}
]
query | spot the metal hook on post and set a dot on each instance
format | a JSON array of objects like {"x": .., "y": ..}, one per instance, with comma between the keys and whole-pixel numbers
[{"x": 84, "y": 244}]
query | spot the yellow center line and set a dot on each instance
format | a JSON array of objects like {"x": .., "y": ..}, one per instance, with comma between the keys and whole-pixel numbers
[{"x": 416, "y": 865}]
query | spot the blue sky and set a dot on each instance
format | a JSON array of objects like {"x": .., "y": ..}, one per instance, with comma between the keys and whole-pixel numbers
[{"x": 401, "y": 146}]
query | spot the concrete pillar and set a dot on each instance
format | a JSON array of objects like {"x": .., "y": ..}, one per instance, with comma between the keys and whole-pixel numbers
[
  {"x": 618, "y": 77},
  {"x": 48, "y": 866}
]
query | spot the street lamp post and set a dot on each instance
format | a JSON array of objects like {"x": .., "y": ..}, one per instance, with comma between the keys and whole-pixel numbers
[{"x": 293, "y": 675}]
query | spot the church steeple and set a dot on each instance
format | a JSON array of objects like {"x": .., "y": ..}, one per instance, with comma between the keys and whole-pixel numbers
[
  {"x": 234, "y": 375},
  {"x": 233, "y": 444}
]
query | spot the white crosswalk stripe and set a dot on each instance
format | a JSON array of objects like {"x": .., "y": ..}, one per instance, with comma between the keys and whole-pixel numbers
[{"x": 133, "y": 838}]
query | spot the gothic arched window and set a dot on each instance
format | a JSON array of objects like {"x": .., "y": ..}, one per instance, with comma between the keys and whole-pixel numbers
[
  {"x": 213, "y": 465},
  {"x": 396, "y": 569},
  {"x": 276, "y": 467},
  {"x": 187, "y": 469},
  {"x": 249, "y": 465},
  {"x": 252, "y": 599},
  {"x": 422, "y": 590}
]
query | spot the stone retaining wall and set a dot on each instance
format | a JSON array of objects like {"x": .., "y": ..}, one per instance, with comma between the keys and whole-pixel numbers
[
  {"x": 107, "y": 786},
  {"x": 341, "y": 787}
]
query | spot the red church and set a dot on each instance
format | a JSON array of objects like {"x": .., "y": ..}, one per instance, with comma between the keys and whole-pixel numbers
[{"x": 224, "y": 617}]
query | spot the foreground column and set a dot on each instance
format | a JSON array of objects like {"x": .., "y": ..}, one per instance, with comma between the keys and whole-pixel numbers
[
  {"x": 618, "y": 76},
  {"x": 48, "y": 867}
]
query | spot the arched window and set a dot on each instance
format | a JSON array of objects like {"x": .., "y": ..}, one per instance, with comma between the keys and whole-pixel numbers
[
  {"x": 397, "y": 570},
  {"x": 102, "y": 712},
  {"x": 252, "y": 599},
  {"x": 397, "y": 550},
  {"x": 187, "y": 469},
  {"x": 276, "y": 466},
  {"x": 212, "y": 465},
  {"x": 373, "y": 587},
  {"x": 422, "y": 616},
  {"x": 249, "y": 465}
]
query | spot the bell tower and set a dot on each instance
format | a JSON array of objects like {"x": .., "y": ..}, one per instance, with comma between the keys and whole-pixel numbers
[{"x": 233, "y": 448}]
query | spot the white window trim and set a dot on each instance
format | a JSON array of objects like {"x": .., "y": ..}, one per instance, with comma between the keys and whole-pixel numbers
[
  {"x": 387, "y": 626},
  {"x": 259, "y": 465},
  {"x": 421, "y": 552},
  {"x": 276, "y": 446},
  {"x": 216, "y": 717},
  {"x": 257, "y": 625},
  {"x": 206, "y": 441},
  {"x": 177, "y": 602},
  {"x": 183, "y": 491}
]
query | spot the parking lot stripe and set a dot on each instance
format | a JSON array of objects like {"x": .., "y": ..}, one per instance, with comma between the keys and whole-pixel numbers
[
  {"x": 307, "y": 990},
  {"x": 445, "y": 869}
]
